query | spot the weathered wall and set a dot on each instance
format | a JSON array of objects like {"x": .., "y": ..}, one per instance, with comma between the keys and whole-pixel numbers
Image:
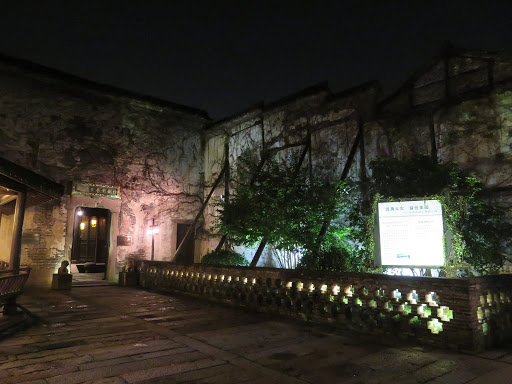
[
  {"x": 45, "y": 249},
  {"x": 458, "y": 109},
  {"x": 69, "y": 132},
  {"x": 478, "y": 135},
  {"x": 5, "y": 236},
  {"x": 327, "y": 123}
]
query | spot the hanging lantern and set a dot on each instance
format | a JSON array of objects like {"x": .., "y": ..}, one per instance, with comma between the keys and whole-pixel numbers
[
  {"x": 94, "y": 221},
  {"x": 82, "y": 226}
]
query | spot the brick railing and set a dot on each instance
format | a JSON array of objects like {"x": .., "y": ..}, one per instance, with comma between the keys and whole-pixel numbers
[{"x": 466, "y": 314}]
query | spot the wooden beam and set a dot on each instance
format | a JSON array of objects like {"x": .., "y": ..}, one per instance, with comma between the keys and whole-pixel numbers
[
  {"x": 226, "y": 190},
  {"x": 25, "y": 177},
  {"x": 344, "y": 174},
  {"x": 264, "y": 241},
  {"x": 264, "y": 157},
  {"x": 191, "y": 229},
  {"x": 433, "y": 144},
  {"x": 447, "y": 78},
  {"x": 327, "y": 123},
  {"x": 490, "y": 73}
]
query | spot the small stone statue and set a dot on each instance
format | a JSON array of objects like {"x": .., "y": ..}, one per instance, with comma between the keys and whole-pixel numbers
[
  {"x": 63, "y": 270},
  {"x": 130, "y": 265}
]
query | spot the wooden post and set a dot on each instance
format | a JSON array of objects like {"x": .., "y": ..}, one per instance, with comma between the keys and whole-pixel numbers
[
  {"x": 226, "y": 189},
  {"x": 490, "y": 73},
  {"x": 358, "y": 142},
  {"x": 433, "y": 145},
  {"x": 226, "y": 174},
  {"x": 264, "y": 157},
  {"x": 447, "y": 78},
  {"x": 196, "y": 219},
  {"x": 19, "y": 215},
  {"x": 264, "y": 241},
  {"x": 15, "y": 258},
  {"x": 367, "y": 205}
]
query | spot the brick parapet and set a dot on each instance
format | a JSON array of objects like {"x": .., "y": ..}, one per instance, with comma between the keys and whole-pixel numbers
[{"x": 434, "y": 311}]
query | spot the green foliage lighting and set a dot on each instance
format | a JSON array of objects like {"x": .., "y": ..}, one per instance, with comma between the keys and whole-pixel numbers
[
  {"x": 225, "y": 257},
  {"x": 278, "y": 202},
  {"x": 479, "y": 230},
  {"x": 286, "y": 204}
]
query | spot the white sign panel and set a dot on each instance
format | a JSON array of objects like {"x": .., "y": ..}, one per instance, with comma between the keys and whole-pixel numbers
[{"x": 411, "y": 233}]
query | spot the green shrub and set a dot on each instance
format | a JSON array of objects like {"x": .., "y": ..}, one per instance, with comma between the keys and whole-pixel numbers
[
  {"x": 279, "y": 202},
  {"x": 480, "y": 232},
  {"x": 334, "y": 259},
  {"x": 225, "y": 257}
]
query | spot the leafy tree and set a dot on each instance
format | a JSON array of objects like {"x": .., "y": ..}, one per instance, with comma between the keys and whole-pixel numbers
[
  {"x": 280, "y": 202},
  {"x": 334, "y": 259},
  {"x": 337, "y": 252},
  {"x": 287, "y": 205}
]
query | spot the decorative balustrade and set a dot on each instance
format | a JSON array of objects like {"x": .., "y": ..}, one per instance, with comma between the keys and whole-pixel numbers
[{"x": 467, "y": 314}]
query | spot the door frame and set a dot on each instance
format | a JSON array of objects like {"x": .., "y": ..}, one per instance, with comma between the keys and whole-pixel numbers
[
  {"x": 174, "y": 238},
  {"x": 76, "y": 231},
  {"x": 114, "y": 206}
]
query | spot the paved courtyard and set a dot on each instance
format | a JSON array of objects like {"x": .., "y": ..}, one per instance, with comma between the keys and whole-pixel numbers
[{"x": 123, "y": 335}]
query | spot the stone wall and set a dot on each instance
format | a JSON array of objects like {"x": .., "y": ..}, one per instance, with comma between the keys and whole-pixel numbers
[{"x": 69, "y": 130}]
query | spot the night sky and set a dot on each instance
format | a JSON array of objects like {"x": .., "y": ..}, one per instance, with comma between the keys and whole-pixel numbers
[{"x": 224, "y": 56}]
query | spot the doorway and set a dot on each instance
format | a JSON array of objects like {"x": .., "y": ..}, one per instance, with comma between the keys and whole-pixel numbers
[
  {"x": 187, "y": 255},
  {"x": 91, "y": 240}
]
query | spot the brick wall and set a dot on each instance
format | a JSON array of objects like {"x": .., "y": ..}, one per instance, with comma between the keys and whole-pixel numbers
[{"x": 465, "y": 314}]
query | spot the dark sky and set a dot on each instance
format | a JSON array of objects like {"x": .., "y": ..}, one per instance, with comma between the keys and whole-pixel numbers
[{"x": 223, "y": 56}]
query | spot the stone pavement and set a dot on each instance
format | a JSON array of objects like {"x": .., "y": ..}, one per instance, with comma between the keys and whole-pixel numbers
[{"x": 124, "y": 335}]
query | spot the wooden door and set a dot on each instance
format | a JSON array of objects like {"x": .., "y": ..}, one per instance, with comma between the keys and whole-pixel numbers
[
  {"x": 187, "y": 255},
  {"x": 91, "y": 236}
]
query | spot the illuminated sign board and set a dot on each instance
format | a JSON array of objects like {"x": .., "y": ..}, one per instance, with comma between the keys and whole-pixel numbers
[
  {"x": 410, "y": 233},
  {"x": 95, "y": 190}
]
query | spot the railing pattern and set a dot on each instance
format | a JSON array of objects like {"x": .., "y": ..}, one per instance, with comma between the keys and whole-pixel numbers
[
  {"x": 492, "y": 303},
  {"x": 430, "y": 310}
]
